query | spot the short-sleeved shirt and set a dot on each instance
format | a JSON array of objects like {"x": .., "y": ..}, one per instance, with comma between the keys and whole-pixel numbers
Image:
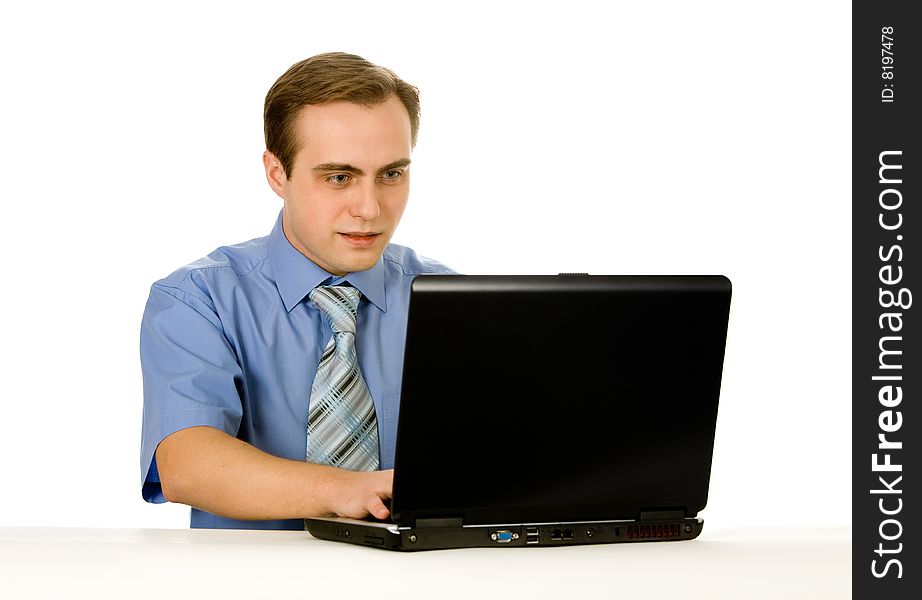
[{"x": 232, "y": 341}]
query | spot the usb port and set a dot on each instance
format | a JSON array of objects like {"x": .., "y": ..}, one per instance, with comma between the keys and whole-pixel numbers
[{"x": 531, "y": 535}]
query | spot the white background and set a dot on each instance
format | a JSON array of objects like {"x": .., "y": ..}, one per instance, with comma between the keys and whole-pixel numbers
[{"x": 668, "y": 137}]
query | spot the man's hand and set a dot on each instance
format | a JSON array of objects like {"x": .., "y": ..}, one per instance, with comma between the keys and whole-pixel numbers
[
  {"x": 358, "y": 494},
  {"x": 208, "y": 469}
]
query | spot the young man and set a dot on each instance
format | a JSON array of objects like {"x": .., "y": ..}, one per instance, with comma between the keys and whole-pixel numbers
[{"x": 272, "y": 368}]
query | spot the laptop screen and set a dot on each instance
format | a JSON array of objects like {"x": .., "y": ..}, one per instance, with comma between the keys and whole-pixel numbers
[{"x": 559, "y": 398}]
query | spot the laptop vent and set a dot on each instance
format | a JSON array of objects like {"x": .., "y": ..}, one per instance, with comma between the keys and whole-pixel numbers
[{"x": 654, "y": 531}]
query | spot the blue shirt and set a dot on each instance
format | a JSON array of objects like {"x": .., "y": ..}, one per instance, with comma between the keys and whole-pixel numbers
[{"x": 232, "y": 341}]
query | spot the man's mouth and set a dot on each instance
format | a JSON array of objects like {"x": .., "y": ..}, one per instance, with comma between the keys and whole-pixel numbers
[{"x": 360, "y": 238}]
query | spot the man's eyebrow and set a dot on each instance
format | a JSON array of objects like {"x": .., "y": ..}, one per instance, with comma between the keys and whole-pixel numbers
[
  {"x": 394, "y": 165},
  {"x": 346, "y": 168}
]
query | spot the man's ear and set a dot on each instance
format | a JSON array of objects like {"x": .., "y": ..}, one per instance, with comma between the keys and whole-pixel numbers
[{"x": 275, "y": 173}]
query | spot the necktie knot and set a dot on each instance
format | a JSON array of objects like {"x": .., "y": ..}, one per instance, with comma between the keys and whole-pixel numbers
[{"x": 339, "y": 304}]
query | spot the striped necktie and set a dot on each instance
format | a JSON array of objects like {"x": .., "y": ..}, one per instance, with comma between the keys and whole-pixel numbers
[{"x": 342, "y": 429}]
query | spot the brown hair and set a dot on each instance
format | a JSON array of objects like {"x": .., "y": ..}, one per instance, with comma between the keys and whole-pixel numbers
[{"x": 330, "y": 77}]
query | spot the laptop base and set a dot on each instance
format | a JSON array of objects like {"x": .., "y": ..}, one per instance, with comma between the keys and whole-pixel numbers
[{"x": 393, "y": 537}]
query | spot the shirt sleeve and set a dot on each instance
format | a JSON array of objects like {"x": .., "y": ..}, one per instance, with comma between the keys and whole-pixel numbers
[{"x": 191, "y": 375}]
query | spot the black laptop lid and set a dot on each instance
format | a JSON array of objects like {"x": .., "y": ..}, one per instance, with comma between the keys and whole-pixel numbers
[{"x": 558, "y": 398}]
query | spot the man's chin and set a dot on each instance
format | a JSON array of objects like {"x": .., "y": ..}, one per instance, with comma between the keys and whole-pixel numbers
[{"x": 354, "y": 264}]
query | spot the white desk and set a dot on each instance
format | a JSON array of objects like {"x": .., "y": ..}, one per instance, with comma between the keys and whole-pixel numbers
[{"x": 165, "y": 564}]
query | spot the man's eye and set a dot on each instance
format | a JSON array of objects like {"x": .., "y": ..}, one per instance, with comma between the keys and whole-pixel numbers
[
  {"x": 338, "y": 179},
  {"x": 392, "y": 175}
]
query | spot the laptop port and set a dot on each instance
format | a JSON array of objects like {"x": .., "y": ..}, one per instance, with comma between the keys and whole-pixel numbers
[
  {"x": 531, "y": 535},
  {"x": 503, "y": 536},
  {"x": 562, "y": 535}
]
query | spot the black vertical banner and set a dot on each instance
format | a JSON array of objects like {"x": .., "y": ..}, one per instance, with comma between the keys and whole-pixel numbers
[{"x": 886, "y": 334}]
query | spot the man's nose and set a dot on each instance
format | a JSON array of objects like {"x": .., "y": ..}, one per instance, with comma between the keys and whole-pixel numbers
[{"x": 365, "y": 202}]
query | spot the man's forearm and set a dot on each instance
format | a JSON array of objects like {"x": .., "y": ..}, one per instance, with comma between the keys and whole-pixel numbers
[{"x": 208, "y": 469}]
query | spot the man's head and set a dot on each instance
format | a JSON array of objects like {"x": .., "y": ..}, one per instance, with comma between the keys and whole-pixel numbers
[{"x": 339, "y": 131}]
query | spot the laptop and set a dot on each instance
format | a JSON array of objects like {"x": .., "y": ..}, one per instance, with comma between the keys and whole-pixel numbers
[{"x": 552, "y": 411}]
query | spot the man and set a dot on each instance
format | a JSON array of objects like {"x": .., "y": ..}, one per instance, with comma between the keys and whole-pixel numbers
[{"x": 272, "y": 368}]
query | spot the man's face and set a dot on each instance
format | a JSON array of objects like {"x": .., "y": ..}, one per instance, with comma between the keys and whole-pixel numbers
[{"x": 349, "y": 182}]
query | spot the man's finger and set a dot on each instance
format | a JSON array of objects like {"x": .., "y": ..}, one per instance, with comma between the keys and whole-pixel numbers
[{"x": 377, "y": 508}]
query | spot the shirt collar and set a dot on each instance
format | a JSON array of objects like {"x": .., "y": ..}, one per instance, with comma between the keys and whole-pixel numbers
[{"x": 296, "y": 275}]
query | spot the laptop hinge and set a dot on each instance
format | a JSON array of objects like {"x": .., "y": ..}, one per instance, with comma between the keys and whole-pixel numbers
[
  {"x": 662, "y": 515},
  {"x": 449, "y": 522}
]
